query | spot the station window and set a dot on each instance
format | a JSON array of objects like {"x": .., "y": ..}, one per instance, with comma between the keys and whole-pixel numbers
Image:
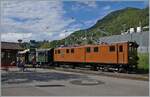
[
  {"x": 95, "y": 49},
  {"x": 72, "y": 50},
  {"x": 55, "y": 51},
  {"x": 112, "y": 48},
  {"x": 121, "y": 48},
  {"x": 88, "y": 49},
  {"x": 58, "y": 51},
  {"x": 67, "y": 50}
]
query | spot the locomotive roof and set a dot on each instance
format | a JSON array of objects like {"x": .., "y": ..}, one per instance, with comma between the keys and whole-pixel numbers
[
  {"x": 119, "y": 42},
  {"x": 92, "y": 45}
]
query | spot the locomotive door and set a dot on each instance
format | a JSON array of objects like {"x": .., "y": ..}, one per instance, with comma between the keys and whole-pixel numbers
[{"x": 120, "y": 54}]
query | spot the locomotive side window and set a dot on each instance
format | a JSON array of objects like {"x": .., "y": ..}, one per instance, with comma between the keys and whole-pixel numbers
[
  {"x": 121, "y": 48},
  {"x": 58, "y": 51},
  {"x": 88, "y": 49},
  {"x": 95, "y": 49},
  {"x": 67, "y": 50},
  {"x": 72, "y": 50},
  {"x": 112, "y": 48},
  {"x": 55, "y": 51}
]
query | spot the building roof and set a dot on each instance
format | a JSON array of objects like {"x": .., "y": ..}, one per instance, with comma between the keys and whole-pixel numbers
[{"x": 11, "y": 46}]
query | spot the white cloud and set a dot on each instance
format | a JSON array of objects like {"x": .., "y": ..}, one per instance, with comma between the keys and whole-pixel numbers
[
  {"x": 89, "y": 3},
  {"x": 36, "y": 17},
  {"x": 106, "y": 7},
  {"x": 15, "y": 36}
]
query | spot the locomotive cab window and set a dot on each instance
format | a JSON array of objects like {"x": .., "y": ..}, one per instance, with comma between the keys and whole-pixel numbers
[
  {"x": 95, "y": 49},
  {"x": 112, "y": 48},
  {"x": 121, "y": 48},
  {"x": 67, "y": 50},
  {"x": 88, "y": 49},
  {"x": 72, "y": 50}
]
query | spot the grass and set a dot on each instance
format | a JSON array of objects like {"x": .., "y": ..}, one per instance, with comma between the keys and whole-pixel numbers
[{"x": 143, "y": 62}]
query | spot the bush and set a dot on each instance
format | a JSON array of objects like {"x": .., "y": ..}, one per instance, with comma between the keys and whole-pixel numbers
[{"x": 143, "y": 62}]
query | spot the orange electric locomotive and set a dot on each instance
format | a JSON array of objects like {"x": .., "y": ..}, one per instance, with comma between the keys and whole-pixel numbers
[{"x": 120, "y": 56}]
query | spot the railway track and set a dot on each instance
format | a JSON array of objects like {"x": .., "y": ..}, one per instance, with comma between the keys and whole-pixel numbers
[{"x": 144, "y": 77}]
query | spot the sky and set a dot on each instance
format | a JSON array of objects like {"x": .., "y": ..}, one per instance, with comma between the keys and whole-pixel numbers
[{"x": 53, "y": 20}]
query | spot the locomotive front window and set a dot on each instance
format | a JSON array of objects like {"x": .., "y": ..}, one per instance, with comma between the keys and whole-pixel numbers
[
  {"x": 112, "y": 48},
  {"x": 72, "y": 50},
  {"x": 88, "y": 49},
  {"x": 67, "y": 50},
  {"x": 121, "y": 48},
  {"x": 95, "y": 49}
]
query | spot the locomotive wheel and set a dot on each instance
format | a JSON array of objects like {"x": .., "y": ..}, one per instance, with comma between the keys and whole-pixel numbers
[
  {"x": 57, "y": 65},
  {"x": 73, "y": 67},
  {"x": 105, "y": 69},
  {"x": 122, "y": 70}
]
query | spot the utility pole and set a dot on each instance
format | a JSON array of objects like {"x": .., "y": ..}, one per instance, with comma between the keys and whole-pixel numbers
[{"x": 65, "y": 37}]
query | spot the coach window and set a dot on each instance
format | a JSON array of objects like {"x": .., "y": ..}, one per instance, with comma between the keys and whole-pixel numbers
[
  {"x": 72, "y": 50},
  {"x": 9, "y": 55},
  {"x": 58, "y": 51},
  {"x": 121, "y": 48},
  {"x": 112, "y": 48},
  {"x": 88, "y": 49},
  {"x": 95, "y": 49},
  {"x": 67, "y": 50}
]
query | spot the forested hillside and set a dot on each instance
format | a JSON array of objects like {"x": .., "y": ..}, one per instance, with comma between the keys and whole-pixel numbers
[{"x": 112, "y": 24}]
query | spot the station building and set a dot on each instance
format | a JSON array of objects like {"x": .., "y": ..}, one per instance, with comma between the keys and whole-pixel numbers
[{"x": 9, "y": 52}]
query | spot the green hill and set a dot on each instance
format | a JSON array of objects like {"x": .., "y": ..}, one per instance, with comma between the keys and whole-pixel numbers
[{"x": 112, "y": 24}]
